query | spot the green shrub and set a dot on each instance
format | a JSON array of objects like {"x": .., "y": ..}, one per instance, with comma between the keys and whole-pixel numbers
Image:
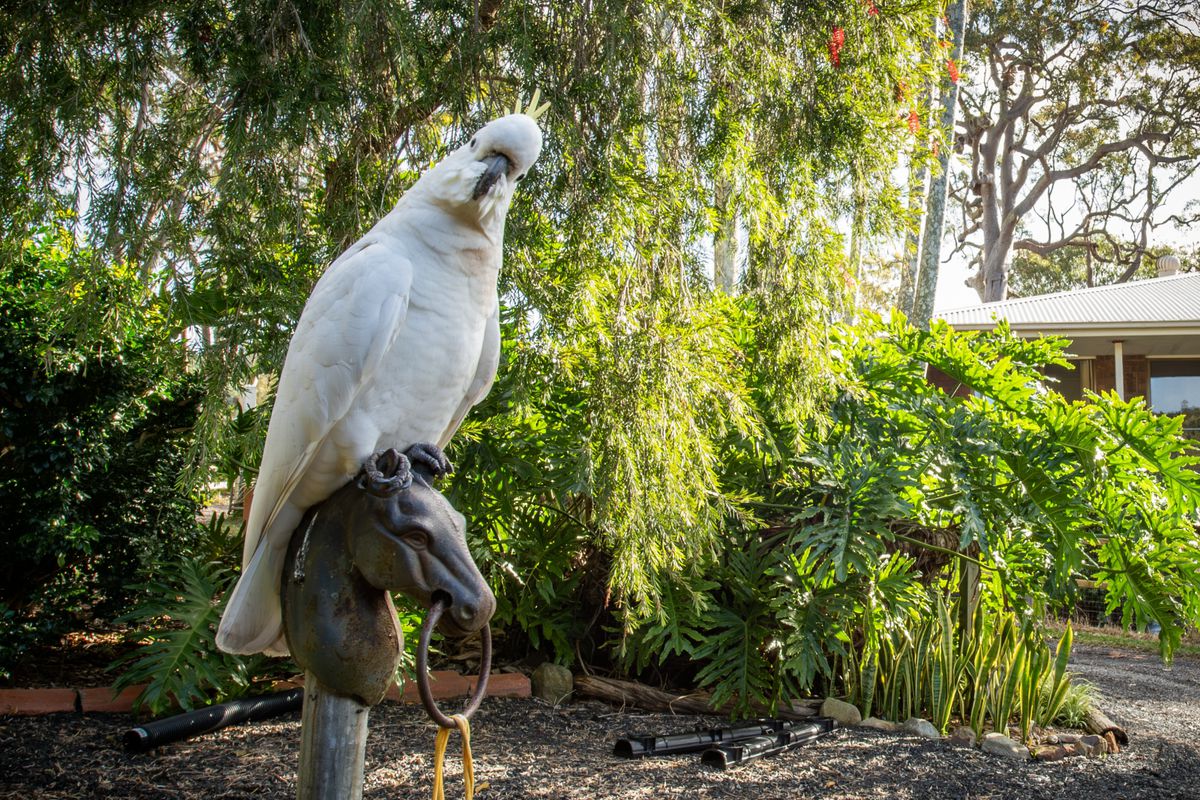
[
  {"x": 1077, "y": 703},
  {"x": 906, "y": 487},
  {"x": 18, "y": 634},
  {"x": 93, "y": 435},
  {"x": 994, "y": 673}
]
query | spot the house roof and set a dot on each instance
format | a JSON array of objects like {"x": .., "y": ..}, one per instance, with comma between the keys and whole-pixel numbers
[{"x": 1171, "y": 302}]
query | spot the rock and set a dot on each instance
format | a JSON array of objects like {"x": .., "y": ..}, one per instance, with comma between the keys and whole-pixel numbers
[
  {"x": 552, "y": 683},
  {"x": 921, "y": 727},
  {"x": 1051, "y": 752},
  {"x": 879, "y": 724},
  {"x": 1063, "y": 738},
  {"x": 841, "y": 711},
  {"x": 963, "y": 737},
  {"x": 998, "y": 744},
  {"x": 1093, "y": 745}
]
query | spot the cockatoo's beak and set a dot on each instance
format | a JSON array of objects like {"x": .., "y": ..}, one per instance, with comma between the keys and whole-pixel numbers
[{"x": 497, "y": 164}]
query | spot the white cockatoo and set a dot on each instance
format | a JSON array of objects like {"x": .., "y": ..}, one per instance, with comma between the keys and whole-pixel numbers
[{"x": 398, "y": 340}]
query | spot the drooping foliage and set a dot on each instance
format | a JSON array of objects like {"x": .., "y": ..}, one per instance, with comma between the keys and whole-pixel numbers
[
  {"x": 875, "y": 518},
  {"x": 226, "y": 151}
]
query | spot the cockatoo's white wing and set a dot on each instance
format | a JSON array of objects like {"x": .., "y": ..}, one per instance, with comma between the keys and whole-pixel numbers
[
  {"x": 351, "y": 320},
  {"x": 489, "y": 359}
]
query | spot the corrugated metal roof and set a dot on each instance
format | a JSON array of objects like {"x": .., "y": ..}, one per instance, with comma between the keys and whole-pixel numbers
[{"x": 1156, "y": 302}]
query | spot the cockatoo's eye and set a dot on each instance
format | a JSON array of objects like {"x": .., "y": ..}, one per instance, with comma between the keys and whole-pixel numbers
[
  {"x": 415, "y": 538},
  {"x": 473, "y": 143},
  {"x": 519, "y": 177}
]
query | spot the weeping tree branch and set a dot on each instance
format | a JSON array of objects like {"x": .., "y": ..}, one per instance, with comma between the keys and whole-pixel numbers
[{"x": 374, "y": 136}]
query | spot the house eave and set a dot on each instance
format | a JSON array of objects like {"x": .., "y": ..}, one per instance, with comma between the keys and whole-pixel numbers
[{"x": 1089, "y": 330}]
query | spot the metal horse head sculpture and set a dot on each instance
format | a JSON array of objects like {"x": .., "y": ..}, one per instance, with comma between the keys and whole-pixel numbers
[{"x": 388, "y": 529}]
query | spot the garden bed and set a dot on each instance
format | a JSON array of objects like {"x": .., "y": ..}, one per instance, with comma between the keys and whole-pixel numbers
[{"x": 524, "y": 749}]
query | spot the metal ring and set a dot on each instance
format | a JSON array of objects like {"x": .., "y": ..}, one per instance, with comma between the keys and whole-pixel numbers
[{"x": 485, "y": 668}]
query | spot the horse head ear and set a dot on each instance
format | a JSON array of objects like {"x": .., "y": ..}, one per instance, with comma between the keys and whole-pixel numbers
[{"x": 385, "y": 473}]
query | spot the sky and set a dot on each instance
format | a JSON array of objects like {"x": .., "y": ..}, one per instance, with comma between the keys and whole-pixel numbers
[{"x": 952, "y": 291}]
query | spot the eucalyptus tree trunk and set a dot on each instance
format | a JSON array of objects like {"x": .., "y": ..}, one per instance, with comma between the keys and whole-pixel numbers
[
  {"x": 912, "y": 243},
  {"x": 725, "y": 238},
  {"x": 935, "y": 213},
  {"x": 918, "y": 179},
  {"x": 857, "y": 230},
  {"x": 1085, "y": 120},
  {"x": 931, "y": 253}
]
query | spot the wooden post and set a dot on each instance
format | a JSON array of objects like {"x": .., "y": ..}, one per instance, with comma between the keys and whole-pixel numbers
[{"x": 333, "y": 744}]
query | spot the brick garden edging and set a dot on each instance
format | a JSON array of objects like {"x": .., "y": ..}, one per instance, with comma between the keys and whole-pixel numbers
[
  {"x": 446, "y": 684},
  {"x": 38, "y": 701}
]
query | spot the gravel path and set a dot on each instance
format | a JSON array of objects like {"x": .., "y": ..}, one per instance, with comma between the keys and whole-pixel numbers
[{"x": 524, "y": 749}]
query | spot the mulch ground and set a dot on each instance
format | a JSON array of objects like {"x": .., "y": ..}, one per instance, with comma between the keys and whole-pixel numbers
[
  {"x": 525, "y": 749},
  {"x": 79, "y": 659}
]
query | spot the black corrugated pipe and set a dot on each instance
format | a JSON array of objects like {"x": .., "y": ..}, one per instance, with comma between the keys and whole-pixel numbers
[
  {"x": 732, "y": 753},
  {"x": 695, "y": 741},
  {"x": 205, "y": 720}
]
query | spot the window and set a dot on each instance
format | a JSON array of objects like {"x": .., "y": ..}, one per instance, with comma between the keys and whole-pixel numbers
[
  {"x": 1070, "y": 383},
  {"x": 1175, "y": 389}
]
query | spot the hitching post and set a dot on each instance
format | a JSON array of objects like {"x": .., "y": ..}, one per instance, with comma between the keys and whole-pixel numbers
[{"x": 386, "y": 529}]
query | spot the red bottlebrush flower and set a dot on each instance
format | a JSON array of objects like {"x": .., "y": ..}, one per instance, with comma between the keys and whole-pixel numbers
[
  {"x": 952, "y": 68},
  {"x": 914, "y": 121},
  {"x": 837, "y": 38},
  {"x": 872, "y": 9}
]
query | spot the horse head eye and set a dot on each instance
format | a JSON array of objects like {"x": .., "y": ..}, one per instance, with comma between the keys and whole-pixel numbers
[{"x": 416, "y": 538}]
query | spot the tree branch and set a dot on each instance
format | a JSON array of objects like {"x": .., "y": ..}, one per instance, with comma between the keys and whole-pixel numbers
[{"x": 1053, "y": 176}]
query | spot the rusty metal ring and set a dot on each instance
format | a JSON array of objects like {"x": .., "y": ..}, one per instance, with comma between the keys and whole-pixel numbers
[{"x": 485, "y": 668}]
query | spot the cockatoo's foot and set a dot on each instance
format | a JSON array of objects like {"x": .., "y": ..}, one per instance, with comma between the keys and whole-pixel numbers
[
  {"x": 431, "y": 457},
  {"x": 385, "y": 472}
]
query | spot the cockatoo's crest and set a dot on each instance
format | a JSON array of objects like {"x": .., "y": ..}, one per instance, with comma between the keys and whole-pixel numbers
[{"x": 533, "y": 110}]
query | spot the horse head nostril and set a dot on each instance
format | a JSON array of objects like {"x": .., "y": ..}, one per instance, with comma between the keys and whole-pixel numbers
[{"x": 470, "y": 613}]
